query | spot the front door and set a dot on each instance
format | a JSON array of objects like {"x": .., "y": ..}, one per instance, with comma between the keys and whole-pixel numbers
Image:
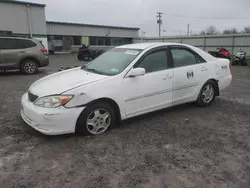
[
  {"x": 11, "y": 51},
  {"x": 153, "y": 90},
  {"x": 189, "y": 69}
]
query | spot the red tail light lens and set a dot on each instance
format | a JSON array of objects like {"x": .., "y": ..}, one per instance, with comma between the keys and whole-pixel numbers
[{"x": 44, "y": 50}]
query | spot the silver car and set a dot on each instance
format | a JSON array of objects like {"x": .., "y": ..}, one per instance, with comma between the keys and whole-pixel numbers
[{"x": 24, "y": 54}]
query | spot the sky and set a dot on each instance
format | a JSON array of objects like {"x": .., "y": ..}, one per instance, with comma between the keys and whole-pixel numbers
[{"x": 142, "y": 13}]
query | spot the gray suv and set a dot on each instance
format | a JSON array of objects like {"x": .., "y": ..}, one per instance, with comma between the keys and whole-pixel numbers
[{"x": 23, "y": 54}]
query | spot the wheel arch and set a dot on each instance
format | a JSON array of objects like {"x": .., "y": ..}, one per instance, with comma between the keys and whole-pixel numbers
[
  {"x": 109, "y": 101},
  {"x": 29, "y": 58},
  {"x": 217, "y": 90}
]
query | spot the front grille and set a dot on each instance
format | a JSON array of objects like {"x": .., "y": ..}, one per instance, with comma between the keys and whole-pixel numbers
[{"x": 32, "y": 97}]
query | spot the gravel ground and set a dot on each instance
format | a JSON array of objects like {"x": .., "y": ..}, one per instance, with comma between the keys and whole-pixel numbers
[{"x": 184, "y": 146}]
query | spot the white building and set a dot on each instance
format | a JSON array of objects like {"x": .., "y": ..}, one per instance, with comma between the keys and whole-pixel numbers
[{"x": 28, "y": 20}]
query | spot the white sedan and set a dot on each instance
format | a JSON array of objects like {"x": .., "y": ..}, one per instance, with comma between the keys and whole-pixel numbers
[{"x": 124, "y": 82}]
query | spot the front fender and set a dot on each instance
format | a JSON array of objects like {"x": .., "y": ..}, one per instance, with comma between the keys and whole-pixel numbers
[{"x": 79, "y": 100}]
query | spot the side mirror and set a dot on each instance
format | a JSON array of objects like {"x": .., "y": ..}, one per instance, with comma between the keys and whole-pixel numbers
[{"x": 136, "y": 72}]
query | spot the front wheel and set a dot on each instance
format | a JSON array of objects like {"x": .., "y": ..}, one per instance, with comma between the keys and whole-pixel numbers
[
  {"x": 207, "y": 94},
  {"x": 96, "y": 119}
]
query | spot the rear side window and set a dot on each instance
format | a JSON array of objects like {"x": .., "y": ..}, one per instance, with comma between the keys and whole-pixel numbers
[
  {"x": 14, "y": 44},
  {"x": 184, "y": 57},
  {"x": 27, "y": 44}
]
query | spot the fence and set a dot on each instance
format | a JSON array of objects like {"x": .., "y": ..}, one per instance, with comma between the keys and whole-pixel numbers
[{"x": 231, "y": 42}]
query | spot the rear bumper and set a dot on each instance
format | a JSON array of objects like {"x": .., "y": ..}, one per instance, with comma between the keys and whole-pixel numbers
[
  {"x": 225, "y": 82},
  {"x": 44, "y": 61}
]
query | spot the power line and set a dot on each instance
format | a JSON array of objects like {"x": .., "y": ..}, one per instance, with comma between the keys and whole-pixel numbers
[{"x": 208, "y": 18}]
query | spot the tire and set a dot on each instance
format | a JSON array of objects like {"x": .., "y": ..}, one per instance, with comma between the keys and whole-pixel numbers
[
  {"x": 29, "y": 67},
  {"x": 244, "y": 62},
  {"x": 79, "y": 57},
  {"x": 203, "y": 100},
  {"x": 89, "y": 121},
  {"x": 86, "y": 56},
  {"x": 51, "y": 52}
]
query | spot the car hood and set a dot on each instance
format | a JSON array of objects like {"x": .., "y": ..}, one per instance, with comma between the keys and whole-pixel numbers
[{"x": 61, "y": 82}]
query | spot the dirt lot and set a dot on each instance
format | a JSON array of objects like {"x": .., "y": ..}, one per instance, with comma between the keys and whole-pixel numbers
[{"x": 211, "y": 149}]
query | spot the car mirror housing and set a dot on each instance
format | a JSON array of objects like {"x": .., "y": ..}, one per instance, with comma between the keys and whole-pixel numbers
[{"x": 136, "y": 72}]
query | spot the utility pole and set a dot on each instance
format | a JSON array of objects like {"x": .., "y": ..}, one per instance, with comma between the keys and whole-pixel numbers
[
  {"x": 142, "y": 35},
  {"x": 159, "y": 21},
  {"x": 188, "y": 26}
]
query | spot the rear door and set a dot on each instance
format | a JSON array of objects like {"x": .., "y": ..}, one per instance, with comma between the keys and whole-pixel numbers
[{"x": 190, "y": 71}]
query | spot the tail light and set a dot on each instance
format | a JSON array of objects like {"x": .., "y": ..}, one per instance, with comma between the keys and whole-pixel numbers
[{"x": 44, "y": 50}]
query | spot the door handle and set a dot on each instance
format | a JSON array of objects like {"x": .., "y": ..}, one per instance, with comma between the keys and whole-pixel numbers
[
  {"x": 204, "y": 69},
  {"x": 167, "y": 77}
]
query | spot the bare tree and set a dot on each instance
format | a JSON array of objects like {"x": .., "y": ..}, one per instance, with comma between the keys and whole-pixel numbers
[
  {"x": 246, "y": 30},
  {"x": 203, "y": 32},
  {"x": 230, "y": 31},
  {"x": 211, "y": 30}
]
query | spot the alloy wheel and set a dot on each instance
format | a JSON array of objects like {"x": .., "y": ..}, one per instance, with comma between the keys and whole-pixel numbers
[
  {"x": 98, "y": 121},
  {"x": 30, "y": 67},
  {"x": 208, "y": 93}
]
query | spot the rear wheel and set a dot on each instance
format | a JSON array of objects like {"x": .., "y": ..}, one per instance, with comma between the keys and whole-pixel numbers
[
  {"x": 51, "y": 52},
  {"x": 96, "y": 119},
  {"x": 207, "y": 94},
  {"x": 29, "y": 67},
  {"x": 244, "y": 62},
  {"x": 86, "y": 56}
]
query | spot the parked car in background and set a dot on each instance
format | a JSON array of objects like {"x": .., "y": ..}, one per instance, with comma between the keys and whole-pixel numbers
[
  {"x": 24, "y": 54},
  {"x": 221, "y": 53},
  {"x": 124, "y": 82}
]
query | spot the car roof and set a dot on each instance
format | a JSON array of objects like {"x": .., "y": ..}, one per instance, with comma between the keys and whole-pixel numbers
[
  {"x": 144, "y": 46},
  {"x": 16, "y": 38}
]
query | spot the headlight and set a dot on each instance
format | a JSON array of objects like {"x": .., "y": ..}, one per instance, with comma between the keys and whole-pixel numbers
[{"x": 53, "y": 101}]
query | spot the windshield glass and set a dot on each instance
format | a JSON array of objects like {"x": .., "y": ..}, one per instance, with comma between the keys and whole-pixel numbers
[{"x": 112, "y": 62}]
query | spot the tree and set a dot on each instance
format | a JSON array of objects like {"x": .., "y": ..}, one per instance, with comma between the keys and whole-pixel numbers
[
  {"x": 246, "y": 30},
  {"x": 230, "y": 31},
  {"x": 211, "y": 30},
  {"x": 203, "y": 32}
]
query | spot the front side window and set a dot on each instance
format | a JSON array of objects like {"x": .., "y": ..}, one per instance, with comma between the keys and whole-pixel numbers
[
  {"x": 9, "y": 44},
  {"x": 155, "y": 61},
  {"x": 112, "y": 62},
  {"x": 183, "y": 57}
]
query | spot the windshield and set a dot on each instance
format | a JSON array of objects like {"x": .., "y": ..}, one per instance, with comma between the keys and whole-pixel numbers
[{"x": 112, "y": 62}]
